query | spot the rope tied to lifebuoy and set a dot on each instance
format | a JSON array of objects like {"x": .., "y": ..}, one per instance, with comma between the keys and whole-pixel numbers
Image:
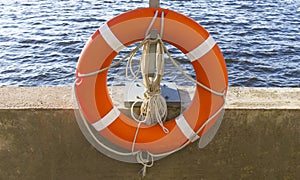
[
  {"x": 154, "y": 107},
  {"x": 152, "y": 96}
]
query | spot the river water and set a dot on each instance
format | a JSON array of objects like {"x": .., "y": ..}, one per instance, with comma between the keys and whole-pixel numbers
[{"x": 40, "y": 41}]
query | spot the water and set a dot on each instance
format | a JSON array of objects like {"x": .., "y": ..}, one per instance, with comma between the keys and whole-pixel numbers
[{"x": 40, "y": 41}]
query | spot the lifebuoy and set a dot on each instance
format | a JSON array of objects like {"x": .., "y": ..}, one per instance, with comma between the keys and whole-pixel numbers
[{"x": 130, "y": 27}]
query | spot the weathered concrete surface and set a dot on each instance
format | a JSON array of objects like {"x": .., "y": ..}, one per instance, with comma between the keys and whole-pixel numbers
[
  {"x": 250, "y": 144},
  {"x": 40, "y": 139},
  {"x": 61, "y": 97}
]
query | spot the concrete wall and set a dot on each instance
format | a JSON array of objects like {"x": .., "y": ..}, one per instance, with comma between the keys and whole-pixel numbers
[{"x": 258, "y": 139}]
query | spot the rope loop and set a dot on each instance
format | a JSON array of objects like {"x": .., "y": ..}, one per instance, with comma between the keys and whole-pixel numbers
[
  {"x": 145, "y": 162},
  {"x": 153, "y": 92}
]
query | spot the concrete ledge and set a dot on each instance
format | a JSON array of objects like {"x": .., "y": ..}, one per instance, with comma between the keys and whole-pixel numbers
[
  {"x": 258, "y": 139},
  {"x": 61, "y": 97}
]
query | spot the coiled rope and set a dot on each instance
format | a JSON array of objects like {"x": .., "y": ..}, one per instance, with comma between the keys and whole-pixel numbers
[{"x": 154, "y": 106}]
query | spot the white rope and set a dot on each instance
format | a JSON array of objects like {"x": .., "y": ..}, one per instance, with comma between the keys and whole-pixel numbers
[
  {"x": 85, "y": 122},
  {"x": 135, "y": 136},
  {"x": 197, "y": 132},
  {"x": 139, "y": 119},
  {"x": 131, "y": 54},
  {"x": 145, "y": 162},
  {"x": 154, "y": 107},
  {"x": 151, "y": 23},
  {"x": 138, "y": 153},
  {"x": 129, "y": 66},
  {"x": 162, "y": 24},
  {"x": 189, "y": 77},
  {"x": 114, "y": 64}
]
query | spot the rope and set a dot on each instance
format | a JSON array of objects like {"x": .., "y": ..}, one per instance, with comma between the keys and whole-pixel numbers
[
  {"x": 197, "y": 132},
  {"x": 85, "y": 122},
  {"x": 188, "y": 76},
  {"x": 162, "y": 24},
  {"x": 154, "y": 105},
  {"x": 131, "y": 54},
  {"x": 145, "y": 162},
  {"x": 129, "y": 66},
  {"x": 222, "y": 94},
  {"x": 151, "y": 23}
]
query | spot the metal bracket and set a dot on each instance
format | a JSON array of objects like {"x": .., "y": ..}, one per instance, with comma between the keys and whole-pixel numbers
[
  {"x": 154, "y": 3},
  {"x": 152, "y": 54},
  {"x": 134, "y": 91}
]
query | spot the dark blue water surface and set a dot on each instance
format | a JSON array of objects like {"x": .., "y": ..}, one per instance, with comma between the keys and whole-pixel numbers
[{"x": 40, "y": 41}]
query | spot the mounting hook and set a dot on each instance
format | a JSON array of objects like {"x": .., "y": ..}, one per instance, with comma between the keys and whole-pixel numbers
[{"x": 154, "y": 3}]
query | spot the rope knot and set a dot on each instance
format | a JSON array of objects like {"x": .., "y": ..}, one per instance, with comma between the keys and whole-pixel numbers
[
  {"x": 149, "y": 93},
  {"x": 146, "y": 159}
]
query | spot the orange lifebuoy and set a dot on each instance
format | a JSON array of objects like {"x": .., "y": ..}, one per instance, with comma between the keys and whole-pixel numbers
[{"x": 130, "y": 27}]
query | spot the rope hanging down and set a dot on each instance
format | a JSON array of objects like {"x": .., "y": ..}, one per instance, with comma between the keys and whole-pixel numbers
[{"x": 154, "y": 107}]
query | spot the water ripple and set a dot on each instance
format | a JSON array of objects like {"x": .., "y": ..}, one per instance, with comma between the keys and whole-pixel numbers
[{"x": 40, "y": 41}]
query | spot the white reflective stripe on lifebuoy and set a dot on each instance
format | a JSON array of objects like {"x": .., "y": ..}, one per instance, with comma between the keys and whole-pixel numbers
[
  {"x": 186, "y": 129},
  {"x": 107, "y": 119},
  {"x": 202, "y": 49},
  {"x": 110, "y": 38}
]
